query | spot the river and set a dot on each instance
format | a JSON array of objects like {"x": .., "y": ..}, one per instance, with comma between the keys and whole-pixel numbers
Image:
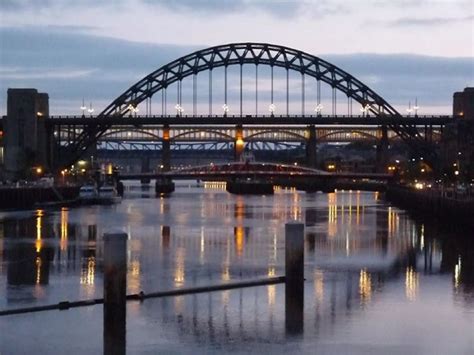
[{"x": 377, "y": 281}]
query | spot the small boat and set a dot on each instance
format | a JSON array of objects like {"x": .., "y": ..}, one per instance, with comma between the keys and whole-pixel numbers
[
  {"x": 88, "y": 193},
  {"x": 108, "y": 194}
]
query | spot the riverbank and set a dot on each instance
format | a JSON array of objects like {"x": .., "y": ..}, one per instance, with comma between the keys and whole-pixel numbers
[
  {"x": 29, "y": 196},
  {"x": 444, "y": 210}
]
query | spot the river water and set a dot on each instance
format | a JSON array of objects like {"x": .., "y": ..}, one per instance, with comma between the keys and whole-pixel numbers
[{"x": 377, "y": 281}]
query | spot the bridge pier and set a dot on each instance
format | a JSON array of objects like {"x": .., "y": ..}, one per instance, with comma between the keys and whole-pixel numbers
[
  {"x": 381, "y": 155},
  {"x": 238, "y": 143},
  {"x": 145, "y": 160},
  {"x": 311, "y": 146},
  {"x": 166, "y": 149}
]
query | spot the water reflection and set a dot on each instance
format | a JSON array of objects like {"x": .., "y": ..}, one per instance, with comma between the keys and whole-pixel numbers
[{"x": 355, "y": 246}]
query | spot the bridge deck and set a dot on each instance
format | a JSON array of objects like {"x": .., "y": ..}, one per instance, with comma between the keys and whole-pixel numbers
[{"x": 252, "y": 120}]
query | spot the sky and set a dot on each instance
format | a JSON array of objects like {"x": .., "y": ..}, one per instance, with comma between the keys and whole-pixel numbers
[{"x": 75, "y": 49}]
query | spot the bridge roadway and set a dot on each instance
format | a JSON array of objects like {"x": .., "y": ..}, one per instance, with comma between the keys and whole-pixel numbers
[
  {"x": 290, "y": 120},
  {"x": 218, "y": 176}
]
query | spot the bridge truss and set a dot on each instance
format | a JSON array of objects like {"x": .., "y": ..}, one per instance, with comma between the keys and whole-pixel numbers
[{"x": 239, "y": 55}]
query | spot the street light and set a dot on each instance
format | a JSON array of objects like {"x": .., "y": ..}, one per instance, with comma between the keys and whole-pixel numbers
[
  {"x": 90, "y": 110},
  {"x": 416, "y": 107},
  {"x": 272, "y": 109},
  {"x": 365, "y": 109},
  {"x": 318, "y": 109},
  {"x": 133, "y": 109},
  {"x": 83, "y": 108},
  {"x": 409, "y": 109},
  {"x": 179, "y": 110},
  {"x": 226, "y": 109}
]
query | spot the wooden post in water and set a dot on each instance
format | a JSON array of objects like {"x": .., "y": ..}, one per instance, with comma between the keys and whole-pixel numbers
[
  {"x": 294, "y": 276},
  {"x": 115, "y": 287}
]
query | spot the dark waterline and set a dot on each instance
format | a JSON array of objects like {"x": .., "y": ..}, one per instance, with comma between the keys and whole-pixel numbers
[{"x": 377, "y": 281}]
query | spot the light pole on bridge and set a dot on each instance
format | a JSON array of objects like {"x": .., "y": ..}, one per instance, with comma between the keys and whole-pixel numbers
[{"x": 83, "y": 108}]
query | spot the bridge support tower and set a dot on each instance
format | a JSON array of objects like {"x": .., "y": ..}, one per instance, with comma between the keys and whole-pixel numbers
[
  {"x": 238, "y": 143},
  {"x": 166, "y": 149},
  {"x": 311, "y": 146},
  {"x": 381, "y": 156}
]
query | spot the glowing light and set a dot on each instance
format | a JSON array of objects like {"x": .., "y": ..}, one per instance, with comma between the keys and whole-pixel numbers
[
  {"x": 419, "y": 186},
  {"x": 179, "y": 109},
  {"x": 64, "y": 231},
  {"x": 226, "y": 108},
  {"x": 132, "y": 109},
  {"x": 239, "y": 239},
  {"x": 90, "y": 110},
  {"x": 239, "y": 142},
  {"x": 39, "y": 216},
  {"x": 272, "y": 108},
  {"x": 39, "y": 170},
  {"x": 365, "y": 109},
  {"x": 226, "y": 273},
  {"x": 457, "y": 273},
  {"x": 38, "y": 270},
  {"x": 411, "y": 284},
  {"x": 179, "y": 272},
  {"x": 365, "y": 286},
  {"x": 271, "y": 293},
  {"x": 88, "y": 273},
  {"x": 319, "y": 285},
  {"x": 319, "y": 108}
]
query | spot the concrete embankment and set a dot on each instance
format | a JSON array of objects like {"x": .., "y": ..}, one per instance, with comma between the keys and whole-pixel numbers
[
  {"x": 448, "y": 211},
  {"x": 29, "y": 196}
]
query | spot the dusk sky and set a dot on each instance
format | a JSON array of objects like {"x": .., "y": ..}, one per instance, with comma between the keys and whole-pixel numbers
[{"x": 76, "y": 49}]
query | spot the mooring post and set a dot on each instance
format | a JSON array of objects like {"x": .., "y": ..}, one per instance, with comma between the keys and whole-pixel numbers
[
  {"x": 294, "y": 276},
  {"x": 115, "y": 287}
]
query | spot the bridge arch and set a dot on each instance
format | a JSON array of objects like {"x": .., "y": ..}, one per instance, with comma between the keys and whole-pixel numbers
[
  {"x": 263, "y": 132},
  {"x": 373, "y": 137},
  {"x": 190, "y": 132},
  {"x": 111, "y": 132},
  {"x": 240, "y": 54}
]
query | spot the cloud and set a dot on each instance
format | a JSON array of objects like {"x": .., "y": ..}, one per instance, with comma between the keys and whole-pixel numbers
[
  {"x": 35, "y": 5},
  {"x": 279, "y": 8},
  {"x": 435, "y": 21}
]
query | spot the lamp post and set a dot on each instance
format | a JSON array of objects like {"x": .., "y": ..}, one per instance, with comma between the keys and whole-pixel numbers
[
  {"x": 409, "y": 109},
  {"x": 272, "y": 109},
  {"x": 365, "y": 110},
  {"x": 416, "y": 107},
  {"x": 226, "y": 109},
  {"x": 83, "y": 108},
  {"x": 179, "y": 110},
  {"x": 319, "y": 109},
  {"x": 133, "y": 110},
  {"x": 90, "y": 110}
]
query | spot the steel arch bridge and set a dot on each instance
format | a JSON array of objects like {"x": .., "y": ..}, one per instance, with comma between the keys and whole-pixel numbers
[{"x": 239, "y": 54}]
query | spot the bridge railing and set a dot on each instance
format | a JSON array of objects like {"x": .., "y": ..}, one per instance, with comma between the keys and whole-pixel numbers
[{"x": 368, "y": 117}]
